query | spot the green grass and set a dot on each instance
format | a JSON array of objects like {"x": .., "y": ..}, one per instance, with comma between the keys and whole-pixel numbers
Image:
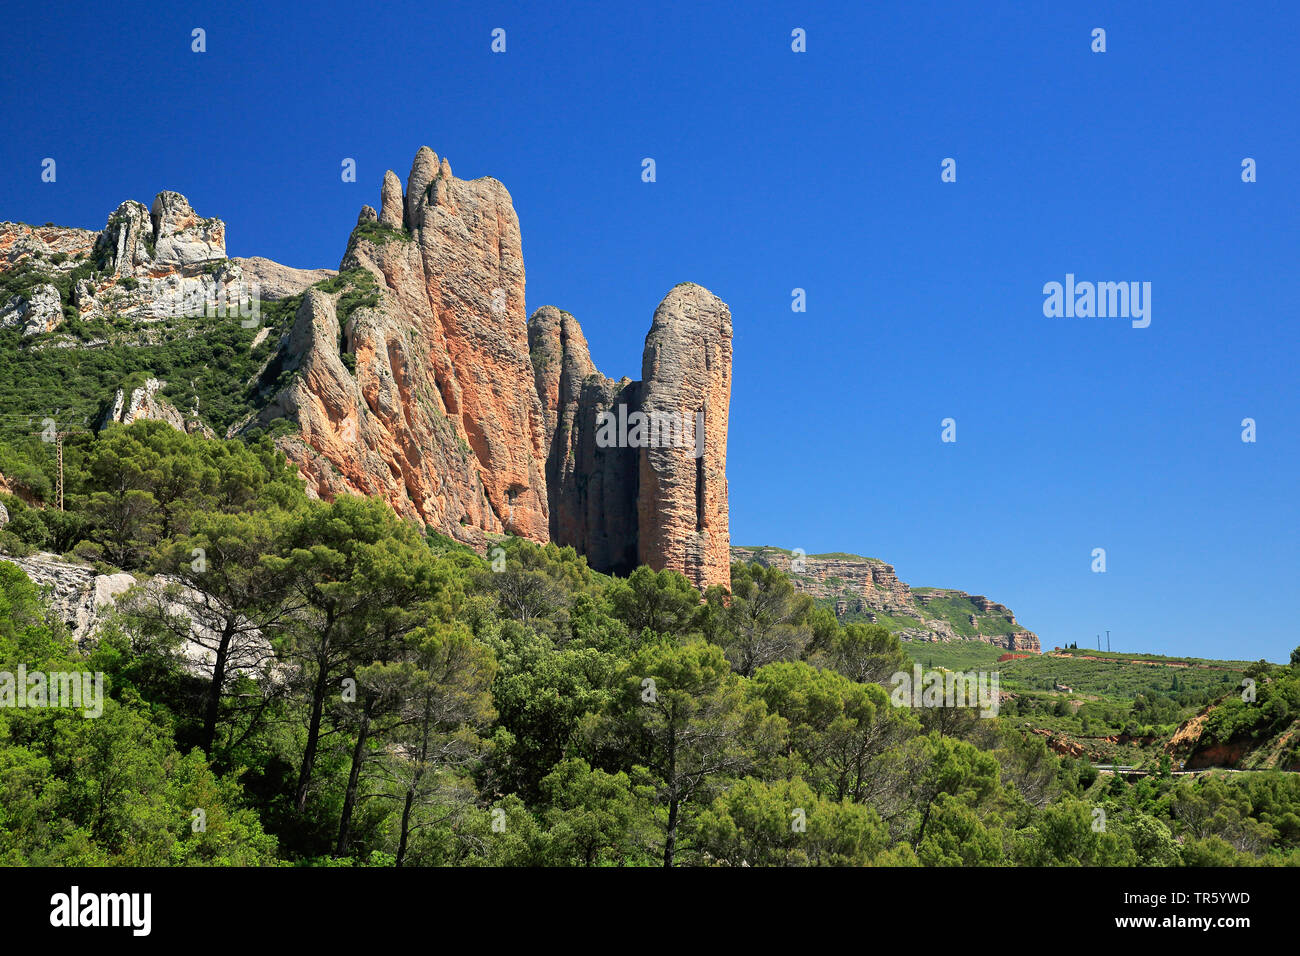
[
  {"x": 957, "y": 656},
  {"x": 1128, "y": 655},
  {"x": 1114, "y": 679},
  {"x": 374, "y": 232},
  {"x": 957, "y": 611},
  {"x": 363, "y": 294}
]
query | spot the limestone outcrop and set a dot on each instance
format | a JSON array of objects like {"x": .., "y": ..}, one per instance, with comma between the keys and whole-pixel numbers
[
  {"x": 864, "y": 584},
  {"x": 159, "y": 262},
  {"x": 39, "y": 310},
  {"x": 82, "y": 600},
  {"x": 180, "y": 237},
  {"x": 53, "y": 248},
  {"x": 146, "y": 402},
  {"x": 149, "y": 263},
  {"x": 274, "y": 281},
  {"x": 79, "y": 596}
]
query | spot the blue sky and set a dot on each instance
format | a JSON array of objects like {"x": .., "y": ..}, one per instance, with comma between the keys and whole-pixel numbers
[{"x": 820, "y": 170}]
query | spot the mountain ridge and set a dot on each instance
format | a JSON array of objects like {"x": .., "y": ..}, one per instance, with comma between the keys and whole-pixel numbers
[{"x": 857, "y": 587}]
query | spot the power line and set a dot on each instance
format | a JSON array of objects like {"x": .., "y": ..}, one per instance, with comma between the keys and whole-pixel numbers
[{"x": 56, "y": 437}]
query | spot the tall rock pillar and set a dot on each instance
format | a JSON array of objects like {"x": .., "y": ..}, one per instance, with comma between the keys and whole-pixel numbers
[{"x": 682, "y": 519}]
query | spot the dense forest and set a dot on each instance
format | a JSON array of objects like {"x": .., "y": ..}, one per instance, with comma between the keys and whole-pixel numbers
[{"x": 294, "y": 682}]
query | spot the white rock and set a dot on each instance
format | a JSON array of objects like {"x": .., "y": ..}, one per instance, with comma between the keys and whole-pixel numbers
[
  {"x": 39, "y": 311},
  {"x": 82, "y": 599},
  {"x": 181, "y": 238},
  {"x": 125, "y": 240}
]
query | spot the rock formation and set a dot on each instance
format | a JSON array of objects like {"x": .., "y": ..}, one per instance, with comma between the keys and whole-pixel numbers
[
  {"x": 413, "y": 373},
  {"x": 274, "y": 281},
  {"x": 146, "y": 402},
  {"x": 83, "y": 599},
  {"x": 682, "y": 500},
  {"x": 476, "y": 422},
  {"x": 865, "y": 584},
  {"x": 392, "y": 205},
  {"x": 438, "y": 412},
  {"x": 150, "y": 263},
  {"x": 57, "y": 248},
  {"x": 858, "y": 587},
  {"x": 659, "y": 497},
  {"x": 180, "y": 237},
  {"x": 38, "y": 311},
  {"x": 78, "y": 595},
  {"x": 592, "y": 489},
  {"x": 49, "y": 251},
  {"x": 159, "y": 262}
]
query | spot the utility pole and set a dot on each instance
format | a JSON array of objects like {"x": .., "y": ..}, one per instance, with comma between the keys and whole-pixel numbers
[
  {"x": 58, "y": 450},
  {"x": 54, "y": 435},
  {"x": 1108, "y": 642},
  {"x": 1098, "y": 642}
]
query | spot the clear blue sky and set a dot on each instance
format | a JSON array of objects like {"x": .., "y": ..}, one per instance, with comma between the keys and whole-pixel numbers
[{"x": 820, "y": 170}]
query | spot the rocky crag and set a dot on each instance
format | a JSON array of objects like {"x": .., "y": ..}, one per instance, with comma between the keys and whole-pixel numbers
[
  {"x": 82, "y": 600},
  {"x": 79, "y": 596},
  {"x": 859, "y": 588},
  {"x": 413, "y": 372},
  {"x": 661, "y": 500},
  {"x": 146, "y": 402},
  {"x": 477, "y": 421},
  {"x": 147, "y": 263},
  {"x": 435, "y": 409}
]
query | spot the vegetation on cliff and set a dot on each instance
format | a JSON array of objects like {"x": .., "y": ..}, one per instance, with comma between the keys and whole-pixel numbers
[{"x": 208, "y": 364}]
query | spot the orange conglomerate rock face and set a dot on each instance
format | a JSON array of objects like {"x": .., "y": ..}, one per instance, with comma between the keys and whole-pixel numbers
[
  {"x": 686, "y": 370},
  {"x": 661, "y": 502},
  {"x": 441, "y": 415},
  {"x": 415, "y": 376}
]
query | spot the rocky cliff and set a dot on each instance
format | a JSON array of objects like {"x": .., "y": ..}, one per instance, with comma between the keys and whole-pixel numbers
[
  {"x": 145, "y": 402},
  {"x": 443, "y": 388},
  {"x": 411, "y": 373},
  {"x": 592, "y": 488},
  {"x": 682, "y": 500},
  {"x": 868, "y": 589},
  {"x": 148, "y": 263},
  {"x": 414, "y": 375}
]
